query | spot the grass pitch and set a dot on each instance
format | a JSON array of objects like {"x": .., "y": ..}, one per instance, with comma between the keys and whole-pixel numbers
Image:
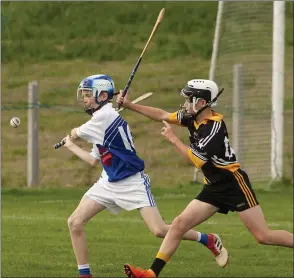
[{"x": 36, "y": 243}]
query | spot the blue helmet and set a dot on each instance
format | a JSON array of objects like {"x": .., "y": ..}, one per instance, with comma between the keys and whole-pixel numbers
[{"x": 97, "y": 83}]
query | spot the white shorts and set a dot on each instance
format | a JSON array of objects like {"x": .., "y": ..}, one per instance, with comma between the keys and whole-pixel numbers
[{"x": 131, "y": 193}]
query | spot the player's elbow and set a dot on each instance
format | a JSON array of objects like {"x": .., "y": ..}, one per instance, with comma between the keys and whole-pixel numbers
[
  {"x": 190, "y": 162},
  {"x": 165, "y": 116},
  {"x": 74, "y": 133},
  {"x": 197, "y": 165}
]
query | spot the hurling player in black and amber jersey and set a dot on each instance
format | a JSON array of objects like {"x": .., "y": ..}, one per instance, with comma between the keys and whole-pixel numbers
[{"x": 226, "y": 185}]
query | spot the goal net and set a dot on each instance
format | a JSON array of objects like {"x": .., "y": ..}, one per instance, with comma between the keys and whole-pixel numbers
[{"x": 244, "y": 63}]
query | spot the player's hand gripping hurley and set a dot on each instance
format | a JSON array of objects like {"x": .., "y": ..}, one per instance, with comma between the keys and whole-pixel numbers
[
  {"x": 61, "y": 143},
  {"x": 158, "y": 21}
]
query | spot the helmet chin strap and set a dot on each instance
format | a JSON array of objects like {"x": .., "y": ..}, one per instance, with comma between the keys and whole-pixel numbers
[
  {"x": 91, "y": 110},
  {"x": 208, "y": 104},
  {"x": 195, "y": 101},
  {"x": 100, "y": 103}
]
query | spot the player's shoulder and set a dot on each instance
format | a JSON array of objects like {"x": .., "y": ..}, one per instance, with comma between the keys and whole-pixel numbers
[
  {"x": 108, "y": 117},
  {"x": 213, "y": 124},
  {"x": 112, "y": 114},
  {"x": 105, "y": 113}
]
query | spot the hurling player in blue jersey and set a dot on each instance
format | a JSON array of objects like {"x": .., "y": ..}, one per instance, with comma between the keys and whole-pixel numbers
[{"x": 123, "y": 183}]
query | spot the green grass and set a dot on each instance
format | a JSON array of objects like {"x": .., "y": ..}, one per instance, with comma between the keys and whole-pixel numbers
[
  {"x": 34, "y": 32},
  {"x": 36, "y": 243},
  {"x": 107, "y": 31}
]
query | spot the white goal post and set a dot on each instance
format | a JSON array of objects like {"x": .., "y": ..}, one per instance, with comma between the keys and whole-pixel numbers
[{"x": 278, "y": 90}]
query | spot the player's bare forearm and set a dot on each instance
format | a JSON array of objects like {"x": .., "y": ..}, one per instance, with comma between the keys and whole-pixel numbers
[
  {"x": 168, "y": 133},
  {"x": 153, "y": 113},
  {"x": 181, "y": 148},
  {"x": 82, "y": 154}
]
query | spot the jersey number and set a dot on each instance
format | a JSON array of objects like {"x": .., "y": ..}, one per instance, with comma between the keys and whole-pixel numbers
[
  {"x": 127, "y": 138},
  {"x": 229, "y": 151}
]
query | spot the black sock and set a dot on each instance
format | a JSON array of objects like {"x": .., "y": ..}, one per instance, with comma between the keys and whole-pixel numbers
[{"x": 157, "y": 266}]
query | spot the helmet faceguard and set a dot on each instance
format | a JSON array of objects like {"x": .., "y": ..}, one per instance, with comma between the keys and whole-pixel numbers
[
  {"x": 197, "y": 89},
  {"x": 93, "y": 86}
]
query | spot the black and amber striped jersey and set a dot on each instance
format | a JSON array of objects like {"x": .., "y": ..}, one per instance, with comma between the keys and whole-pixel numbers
[{"x": 209, "y": 147}]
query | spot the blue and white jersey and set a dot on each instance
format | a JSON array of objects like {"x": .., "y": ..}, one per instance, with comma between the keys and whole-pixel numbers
[{"x": 112, "y": 144}]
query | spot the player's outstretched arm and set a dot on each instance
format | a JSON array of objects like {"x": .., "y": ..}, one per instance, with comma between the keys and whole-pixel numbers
[
  {"x": 153, "y": 113},
  {"x": 193, "y": 156},
  {"x": 82, "y": 154}
]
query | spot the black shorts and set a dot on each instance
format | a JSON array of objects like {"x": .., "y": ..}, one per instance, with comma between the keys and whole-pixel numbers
[{"x": 234, "y": 195}]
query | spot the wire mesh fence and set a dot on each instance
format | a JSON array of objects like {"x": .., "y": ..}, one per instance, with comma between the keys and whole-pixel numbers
[{"x": 246, "y": 38}]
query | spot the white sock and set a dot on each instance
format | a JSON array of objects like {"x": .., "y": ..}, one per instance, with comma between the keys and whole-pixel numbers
[
  {"x": 199, "y": 236},
  {"x": 83, "y": 266},
  {"x": 84, "y": 269}
]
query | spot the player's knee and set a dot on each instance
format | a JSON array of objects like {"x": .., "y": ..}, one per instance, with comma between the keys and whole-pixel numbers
[
  {"x": 179, "y": 225},
  {"x": 261, "y": 237},
  {"x": 160, "y": 232},
  {"x": 74, "y": 224}
]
